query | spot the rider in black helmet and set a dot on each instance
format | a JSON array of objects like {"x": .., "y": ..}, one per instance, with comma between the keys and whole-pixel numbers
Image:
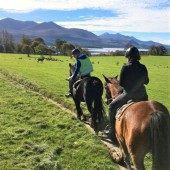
[
  {"x": 132, "y": 52},
  {"x": 133, "y": 78}
]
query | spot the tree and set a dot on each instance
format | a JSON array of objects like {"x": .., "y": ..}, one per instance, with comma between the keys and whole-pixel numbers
[
  {"x": 7, "y": 42},
  {"x": 26, "y": 49},
  {"x": 1, "y": 48},
  {"x": 85, "y": 51},
  {"x": 39, "y": 40},
  {"x": 67, "y": 48},
  {"x": 33, "y": 45},
  {"x": 162, "y": 50},
  {"x": 153, "y": 50},
  {"x": 58, "y": 45},
  {"x": 157, "y": 50},
  {"x": 25, "y": 40},
  {"x": 41, "y": 49}
]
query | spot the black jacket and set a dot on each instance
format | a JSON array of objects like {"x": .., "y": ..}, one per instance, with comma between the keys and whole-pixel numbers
[{"x": 133, "y": 76}]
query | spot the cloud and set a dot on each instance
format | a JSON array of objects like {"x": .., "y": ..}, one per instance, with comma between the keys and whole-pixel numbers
[
  {"x": 132, "y": 15},
  {"x": 138, "y": 21},
  {"x": 124, "y": 5}
]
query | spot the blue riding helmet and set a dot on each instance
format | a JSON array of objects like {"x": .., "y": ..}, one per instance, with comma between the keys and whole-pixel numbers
[{"x": 75, "y": 51}]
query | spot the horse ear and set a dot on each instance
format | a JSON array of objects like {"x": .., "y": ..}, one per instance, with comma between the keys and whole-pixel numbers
[
  {"x": 106, "y": 79},
  {"x": 116, "y": 77},
  {"x": 69, "y": 64}
]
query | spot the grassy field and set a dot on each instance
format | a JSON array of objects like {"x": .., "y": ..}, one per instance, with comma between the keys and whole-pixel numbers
[
  {"x": 36, "y": 134},
  {"x": 49, "y": 77}
]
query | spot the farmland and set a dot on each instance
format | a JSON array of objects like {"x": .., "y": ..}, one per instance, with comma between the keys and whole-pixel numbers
[{"x": 37, "y": 134}]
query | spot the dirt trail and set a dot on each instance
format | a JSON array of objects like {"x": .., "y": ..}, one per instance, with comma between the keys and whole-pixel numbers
[{"x": 113, "y": 150}]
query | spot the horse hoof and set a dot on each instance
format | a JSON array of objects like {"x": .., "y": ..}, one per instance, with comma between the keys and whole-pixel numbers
[
  {"x": 116, "y": 156},
  {"x": 79, "y": 117},
  {"x": 84, "y": 118},
  {"x": 96, "y": 132}
]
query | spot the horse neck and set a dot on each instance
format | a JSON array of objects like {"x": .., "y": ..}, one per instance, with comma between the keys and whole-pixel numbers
[
  {"x": 114, "y": 89},
  {"x": 71, "y": 71}
]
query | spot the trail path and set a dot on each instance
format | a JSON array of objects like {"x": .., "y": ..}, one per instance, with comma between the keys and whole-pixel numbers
[{"x": 113, "y": 150}]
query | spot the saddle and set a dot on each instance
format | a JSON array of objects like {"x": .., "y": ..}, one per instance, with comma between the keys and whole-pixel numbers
[
  {"x": 77, "y": 83},
  {"x": 121, "y": 110}
]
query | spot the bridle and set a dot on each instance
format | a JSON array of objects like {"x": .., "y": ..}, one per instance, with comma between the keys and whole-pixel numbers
[{"x": 109, "y": 97}]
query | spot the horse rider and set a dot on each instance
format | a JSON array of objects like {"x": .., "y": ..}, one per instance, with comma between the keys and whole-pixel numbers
[
  {"x": 83, "y": 67},
  {"x": 133, "y": 78}
]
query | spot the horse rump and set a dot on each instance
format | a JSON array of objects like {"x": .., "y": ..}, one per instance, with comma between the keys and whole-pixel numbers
[{"x": 93, "y": 89}]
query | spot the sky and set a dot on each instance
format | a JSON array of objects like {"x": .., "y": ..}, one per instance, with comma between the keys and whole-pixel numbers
[{"x": 143, "y": 19}]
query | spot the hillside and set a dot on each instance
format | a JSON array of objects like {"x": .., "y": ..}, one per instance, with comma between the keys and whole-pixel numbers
[{"x": 50, "y": 31}]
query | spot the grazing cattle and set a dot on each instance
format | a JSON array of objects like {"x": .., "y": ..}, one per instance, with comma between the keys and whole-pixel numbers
[{"x": 40, "y": 59}]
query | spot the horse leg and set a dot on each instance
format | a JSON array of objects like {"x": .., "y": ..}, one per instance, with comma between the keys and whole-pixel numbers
[
  {"x": 98, "y": 113},
  {"x": 93, "y": 114},
  {"x": 138, "y": 149},
  {"x": 138, "y": 161},
  {"x": 78, "y": 108},
  {"x": 125, "y": 153}
]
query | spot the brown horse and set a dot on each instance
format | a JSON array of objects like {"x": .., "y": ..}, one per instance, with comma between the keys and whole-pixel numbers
[{"x": 144, "y": 127}]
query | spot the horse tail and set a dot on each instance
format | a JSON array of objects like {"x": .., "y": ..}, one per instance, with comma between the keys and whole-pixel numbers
[
  {"x": 160, "y": 140},
  {"x": 98, "y": 102},
  {"x": 99, "y": 108}
]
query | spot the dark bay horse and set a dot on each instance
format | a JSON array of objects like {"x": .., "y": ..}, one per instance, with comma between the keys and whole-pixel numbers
[
  {"x": 89, "y": 90},
  {"x": 144, "y": 127}
]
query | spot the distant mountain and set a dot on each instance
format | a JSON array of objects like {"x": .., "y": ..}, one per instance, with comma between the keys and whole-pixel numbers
[
  {"x": 123, "y": 40},
  {"x": 50, "y": 31}
]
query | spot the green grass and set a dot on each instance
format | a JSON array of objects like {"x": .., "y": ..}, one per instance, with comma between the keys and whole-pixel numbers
[
  {"x": 37, "y": 135},
  {"x": 50, "y": 76}
]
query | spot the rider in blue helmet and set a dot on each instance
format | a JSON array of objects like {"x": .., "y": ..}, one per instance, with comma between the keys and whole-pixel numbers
[{"x": 83, "y": 67}]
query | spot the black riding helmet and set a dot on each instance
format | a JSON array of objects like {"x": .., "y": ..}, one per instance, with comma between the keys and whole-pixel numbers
[
  {"x": 132, "y": 53},
  {"x": 75, "y": 51}
]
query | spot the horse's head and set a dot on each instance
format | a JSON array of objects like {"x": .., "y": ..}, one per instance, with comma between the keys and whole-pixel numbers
[
  {"x": 72, "y": 68},
  {"x": 112, "y": 88}
]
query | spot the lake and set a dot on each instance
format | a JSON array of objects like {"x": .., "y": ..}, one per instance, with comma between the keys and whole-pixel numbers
[{"x": 96, "y": 51}]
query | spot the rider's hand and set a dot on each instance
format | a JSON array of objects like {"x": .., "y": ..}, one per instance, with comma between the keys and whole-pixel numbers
[{"x": 70, "y": 78}]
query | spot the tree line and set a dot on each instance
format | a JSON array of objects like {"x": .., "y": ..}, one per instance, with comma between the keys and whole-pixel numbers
[{"x": 37, "y": 45}]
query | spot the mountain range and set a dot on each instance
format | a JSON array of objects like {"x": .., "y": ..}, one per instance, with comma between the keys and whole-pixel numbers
[{"x": 50, "y": 31}]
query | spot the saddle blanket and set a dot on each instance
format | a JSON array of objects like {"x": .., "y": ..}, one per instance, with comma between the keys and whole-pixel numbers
[{"x": 121, "y": 110}]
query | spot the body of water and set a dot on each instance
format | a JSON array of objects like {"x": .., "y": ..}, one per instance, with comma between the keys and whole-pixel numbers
[{"x": 96, "y": 51}]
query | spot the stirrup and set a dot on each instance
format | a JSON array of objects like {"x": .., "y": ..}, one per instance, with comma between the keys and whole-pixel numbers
[{"x": 107, "y": 130}]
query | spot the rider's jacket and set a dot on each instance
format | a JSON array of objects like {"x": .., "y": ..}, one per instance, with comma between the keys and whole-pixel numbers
[
  {"x": 133, "y": 77},
  {"x": 83, "y": 66}
]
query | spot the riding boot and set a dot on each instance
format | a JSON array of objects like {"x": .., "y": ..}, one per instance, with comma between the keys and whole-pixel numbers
[{"x": 112, "y": 132}]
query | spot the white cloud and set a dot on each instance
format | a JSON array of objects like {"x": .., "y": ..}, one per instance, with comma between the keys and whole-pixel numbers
[
  {"x": 124, "y": 5},
  {"x": 138, "y": 21},
  {"x": 134, "y": 15}
]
